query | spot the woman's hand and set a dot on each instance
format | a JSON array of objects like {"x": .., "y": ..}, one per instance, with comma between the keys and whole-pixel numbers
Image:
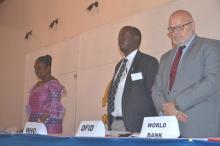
[{"x": 43, "y": 118}]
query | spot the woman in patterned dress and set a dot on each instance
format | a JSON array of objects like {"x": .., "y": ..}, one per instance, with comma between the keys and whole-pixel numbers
[{"x": 45, "y": 97}]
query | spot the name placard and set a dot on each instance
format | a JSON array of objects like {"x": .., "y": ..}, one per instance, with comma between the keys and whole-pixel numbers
[
  {"x": 160, "y": 127},
  {"x": 35, "y": 128},
  {"x": 91, "y": 129}
]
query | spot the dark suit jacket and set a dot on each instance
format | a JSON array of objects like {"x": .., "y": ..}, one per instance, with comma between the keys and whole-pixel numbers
[{"x": 136, "y": 99}]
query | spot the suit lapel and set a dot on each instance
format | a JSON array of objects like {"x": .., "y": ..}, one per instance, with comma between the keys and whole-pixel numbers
[
  {"x": 135, "y": 63},
  {"x": 185, "y": 60},
  {"x": 169, "y": 64},
  {"x": 117, "y": 67},
  {"x": 133, "y": 69},
  {"x": 187, "y": 53}
]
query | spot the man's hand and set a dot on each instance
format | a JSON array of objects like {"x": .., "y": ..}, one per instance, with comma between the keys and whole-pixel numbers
[
  {"x": 181, "y": 116},
  {"x": 169, "y": 109}
]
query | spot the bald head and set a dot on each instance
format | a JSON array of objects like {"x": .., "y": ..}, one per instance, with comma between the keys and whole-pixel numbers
[
  {"x": 181, "y": 27},
  {"x": 182, "y": 15}
]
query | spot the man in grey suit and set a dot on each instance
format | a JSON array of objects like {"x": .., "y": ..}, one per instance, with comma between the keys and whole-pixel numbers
[
  {"x": 130, "y": 96},
  {"x": 188, "y": 81}
]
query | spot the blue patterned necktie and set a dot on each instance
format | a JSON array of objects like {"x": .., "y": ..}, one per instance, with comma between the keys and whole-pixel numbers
[{"x": 114, "y": 87}]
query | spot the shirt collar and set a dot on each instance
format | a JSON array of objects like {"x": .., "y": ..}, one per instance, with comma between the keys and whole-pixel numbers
[
  {"x": 190, "y": 40},
  {"x": 187, "y": 44},
  {"x": 131, "y": 56}
]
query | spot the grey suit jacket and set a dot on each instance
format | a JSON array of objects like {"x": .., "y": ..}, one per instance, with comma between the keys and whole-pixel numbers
[
  {"x": 136, "y": 99},
  {"x": 196, "y": 87}
]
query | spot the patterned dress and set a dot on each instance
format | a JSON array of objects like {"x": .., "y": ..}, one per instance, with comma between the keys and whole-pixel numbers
[{"x": 46, "y": 99}]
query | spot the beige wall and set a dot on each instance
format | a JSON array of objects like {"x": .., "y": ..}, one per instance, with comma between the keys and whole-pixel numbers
[
  {"x": 90, "y": 28},
  {"x": 19, "y": 16}
]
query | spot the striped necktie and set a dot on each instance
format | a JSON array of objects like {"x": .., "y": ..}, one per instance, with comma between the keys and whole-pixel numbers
[{"x": 114, "y": 87}]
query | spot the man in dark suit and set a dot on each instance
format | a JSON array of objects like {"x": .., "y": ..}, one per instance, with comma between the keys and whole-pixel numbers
[{"x": 130, "y": 91}]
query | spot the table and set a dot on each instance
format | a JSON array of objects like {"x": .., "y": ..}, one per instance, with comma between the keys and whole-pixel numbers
[{"x": 40, "y": 140}]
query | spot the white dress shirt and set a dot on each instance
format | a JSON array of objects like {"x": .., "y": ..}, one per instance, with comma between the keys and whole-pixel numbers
[{"x": 118, "y": 96}]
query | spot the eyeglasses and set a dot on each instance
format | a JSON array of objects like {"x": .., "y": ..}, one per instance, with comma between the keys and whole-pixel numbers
[{"x": 179, "y": 27}]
